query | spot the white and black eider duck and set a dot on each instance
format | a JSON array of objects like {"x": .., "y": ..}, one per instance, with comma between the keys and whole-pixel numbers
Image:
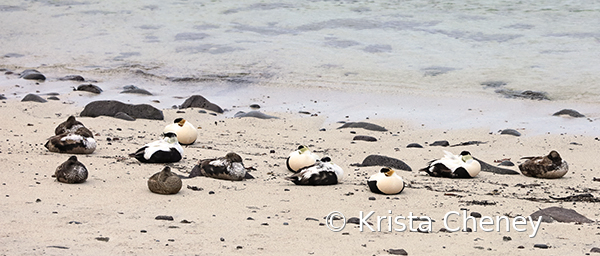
[
  {"x": 71, "y": 171},
  {"x": 323, "y": 172},
  {"x": 186, "y": 132},
  {"x": 229, "y": 167},
  {"x": 386, "y": 182},
  {"x": 164, "y": 182},
  {"x": 300, "y": 158},
  {"x": 166, "y": 150},
  {"x": 551, "y": 166},
  {"x": 454, "y": 166}
]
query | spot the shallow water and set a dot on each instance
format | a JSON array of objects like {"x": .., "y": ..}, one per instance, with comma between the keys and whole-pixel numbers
[{"x": 423, "y": 61}]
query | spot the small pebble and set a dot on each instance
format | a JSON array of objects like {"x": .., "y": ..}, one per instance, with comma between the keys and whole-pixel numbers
[
  {"x": 443, "y": 143},
  {"x": 414, "y": 145},
  {"x": 103, "y": 239},
  {"x": 397, "y": 252},
  {"x": 372, "y": 198},
  {"x": 476, "y": 214},
  {"x": 506, "y": 238},
  {"x": 163, "y": 217},
  {"x": 541, "y": 246}
]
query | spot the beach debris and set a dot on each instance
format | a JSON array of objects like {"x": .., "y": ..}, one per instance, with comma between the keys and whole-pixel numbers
[
  {"x": 506, "y": 163},
  {"x": 111, "y": 107},
  {"x": 164, "y": 217},
  {"x": 164, "y": 182},
  {"x": 2, "y": 97},
  {"x": 485, "y": 167},
  {"x": 255, "y": 114},
  {"x": 414, "y": 145},
  {"x": 89, "y": 88},
  {"x": 527, "y": 94},
  {"x": 58, "y": 247},
  {"x": 32, "y": 74},
  {"x": 397, "y": 252},
  {"x": 124, "y": 116},
  {"x": 102, "y": 238},
  {"x": 364, "y": 138},
  {"x": 442, "y": 143},
  {"x": 77, "y": 78},
  {"x": 197, "y": 101},
  {"x": 506, "y": 238},
  {"x": 364, "y": 125},
  {"x": 569, "y": 112},
  {"x": 494, "y": 84},
  {"x": 510, "y": 132},
  {"x": 34, "y": 98},
  {"x": 468, "y": 143},
  {"x": 559, "y": 214},
  {"x": 541, "y": 246},
  {"x": 135, "y": 90},
  {"x": 385, "y": 161},
  {"x": 194, "y": 188},
  {"x": 587, "y": 197},
  {"x": 479, "y": 202}
]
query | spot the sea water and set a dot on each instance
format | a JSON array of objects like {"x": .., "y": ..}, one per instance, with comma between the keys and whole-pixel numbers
[{"x": 427, "y": 62}]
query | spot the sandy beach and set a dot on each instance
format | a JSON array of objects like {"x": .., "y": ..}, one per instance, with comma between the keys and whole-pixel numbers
[{"x": 113, "y": 212}]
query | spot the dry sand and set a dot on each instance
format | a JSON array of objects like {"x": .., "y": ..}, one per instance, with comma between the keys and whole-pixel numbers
[{"x": 269, "y": 215}]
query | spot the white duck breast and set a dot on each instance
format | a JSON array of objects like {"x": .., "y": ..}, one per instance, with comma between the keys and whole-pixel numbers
[
  {"x": 166, "y": 150},
  {"x": 321, "y": 173},
  {"x": 454, "y": 166},
  {"x": 386, "y": 182},
  {"x": 300, "y": 158},
  {"x": 186, "y": 132}
]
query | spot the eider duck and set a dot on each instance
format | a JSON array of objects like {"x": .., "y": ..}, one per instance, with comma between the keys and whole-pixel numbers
[
  {"x": 229, "y": 167},
  {"x": 166, "y": 150},
  {"x": 164, "y": 182},
  {"x": 300, "y": 158},
  {"x": 454, "y": 166},
  {"x": 186, "y": 132},
  {"x": 551, "y": 166},
  {"x": 323, "y": 172},
  {"x": 72, "y": 142},
  {"x": 386, "y": 182},
  {"x": 71, "y": 126},
  {"x": 71, "y": 171}
]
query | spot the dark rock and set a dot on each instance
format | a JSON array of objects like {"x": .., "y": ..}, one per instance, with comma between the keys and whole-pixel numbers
[
  {"x": 33, "y": 97},
  {"x": 112, "y": 107},
  {"x": 134, "y": 89},
  {"x": 397, "y": 252},
  {"x": 414, "y": 145},
  {"x": 510, "y": 132},
  {"x": 364, "y": 125},
  {"x": 378, "y": 160},
  {"x": 353, "y": 220},
  {"x": 506, "y": 163},
  {"x": 197, "y": 101},
  {"x": 372, "y": 198},
  {"x": 559, "y": 214},
  {"x": 467, "y": 143},
  {"x": 485, "y": 167},
  {"x": 124, "y": 116},
  {"x": 102, "y": 238},
  {"x": 595, "y": 250},
  {"x": 53, "y": 98},
  {"x": 568, "y": 112},
  {"x": 506, "y": 238},
  {"x": 12, "y": 54},
  {"x": 365, "y": 138},
  {"x": 527, "y": 94},
  {"x": 476, "y": 214},
  {"x": 254, "y": 106},
  {"x": 32, "y": 74},
  {"x": 2, "y": 97},
  {"x": 89, "y": 88},
  {"x": 255, "y": 114},
  {"x": 309, "y": 218},
  {"x": 494, "y": 84},
  {"x": 77, "y": 78},
  {"x": 443, "y": 143},
  {"x": 58, "y": 247},
  {"x": 541, "y": 246},
  {"x": 163, "y": 217},
  {"x": 521, "y": 247}
]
